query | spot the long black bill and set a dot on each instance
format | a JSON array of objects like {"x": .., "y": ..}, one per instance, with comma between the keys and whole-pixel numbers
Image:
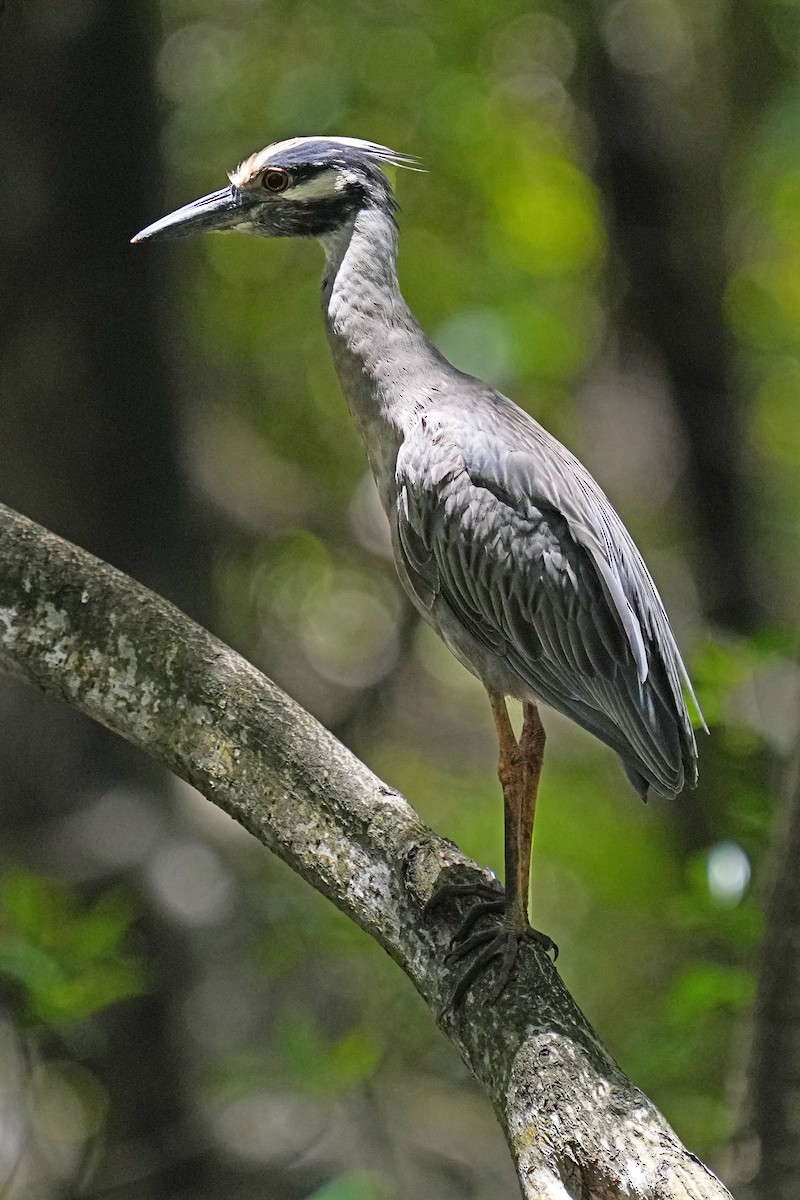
[{"x": 221, "y": 210}]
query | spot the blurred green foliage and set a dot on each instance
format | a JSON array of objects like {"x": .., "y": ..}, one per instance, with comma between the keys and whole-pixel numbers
[
  {"x": 65, "y": 960},
  {"x": 359, "y": 1185},
  {"x": 508, "y": 261}
]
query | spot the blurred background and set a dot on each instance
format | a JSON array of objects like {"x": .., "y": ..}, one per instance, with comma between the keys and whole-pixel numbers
[{"x": 609, "y": 231}]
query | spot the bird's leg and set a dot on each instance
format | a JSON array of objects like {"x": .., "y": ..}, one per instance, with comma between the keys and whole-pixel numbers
[
  {"x": 519, "y": 769},
  {"x": 490, "y": 899},
  {"x": 513, "y": 772},
  {"x": 521, "y": 815}
]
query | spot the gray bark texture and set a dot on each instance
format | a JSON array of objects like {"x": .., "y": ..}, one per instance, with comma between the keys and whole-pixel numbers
[{"x": 82, "y": 631}]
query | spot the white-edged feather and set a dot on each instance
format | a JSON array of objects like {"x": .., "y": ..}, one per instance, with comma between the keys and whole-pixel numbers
[{"x": 251, "y": 167}]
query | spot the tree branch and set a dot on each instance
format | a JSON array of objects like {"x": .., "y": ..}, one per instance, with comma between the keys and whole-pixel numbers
[{"x": 83, "y": 631}]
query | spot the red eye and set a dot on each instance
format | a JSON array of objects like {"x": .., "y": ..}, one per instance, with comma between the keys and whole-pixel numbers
[{"x": 275, "y": 180}]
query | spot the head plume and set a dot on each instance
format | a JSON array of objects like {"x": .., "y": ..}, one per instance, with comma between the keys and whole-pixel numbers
[{"x": 318, "y": 151}]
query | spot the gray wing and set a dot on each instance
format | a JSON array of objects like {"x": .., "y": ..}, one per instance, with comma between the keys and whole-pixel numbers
[{"x": 510, "y": 532}]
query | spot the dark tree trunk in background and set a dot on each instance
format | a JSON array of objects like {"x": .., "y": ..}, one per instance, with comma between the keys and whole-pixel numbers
[
  {"x": 766, "y": 1149},
  {"x": 665, "y": 199},
  {"x": 660, "y": 169},
  {"x": 88, "y": 435},
  {"x": 661, "y": 180},
  {"x": 88, "y": 447}
]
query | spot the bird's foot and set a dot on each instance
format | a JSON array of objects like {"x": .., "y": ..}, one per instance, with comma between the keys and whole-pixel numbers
[
  {"x": 496, "y": 941},
  {"x": 486, "y": 892}
]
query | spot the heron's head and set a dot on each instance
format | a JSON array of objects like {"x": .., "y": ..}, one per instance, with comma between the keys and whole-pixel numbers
[{"x": 304, "y": 187}]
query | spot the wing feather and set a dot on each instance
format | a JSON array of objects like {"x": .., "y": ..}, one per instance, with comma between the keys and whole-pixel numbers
[{"x": 538, "y": 569}]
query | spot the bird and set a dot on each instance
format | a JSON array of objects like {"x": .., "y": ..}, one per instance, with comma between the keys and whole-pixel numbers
[{"x": 501, "y": 538}]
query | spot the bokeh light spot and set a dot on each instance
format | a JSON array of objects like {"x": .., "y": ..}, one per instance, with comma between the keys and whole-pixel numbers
[
  {"x": 195, "y": 62},
  {"x": 307, "y": 100},
  {"x": 479, "y": 341},
  {"x": 532, "y": 44},
  {"x": 552, "y": 211},
  {"x": 349, "y": 633},
  {"x": 728, "y": 873},
  {"x": 191, "y": 882},
  {"x": 649, "y": 37}
]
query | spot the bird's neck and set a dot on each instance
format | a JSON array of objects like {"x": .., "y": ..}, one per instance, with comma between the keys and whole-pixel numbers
[{"x": 382, "y": 357}]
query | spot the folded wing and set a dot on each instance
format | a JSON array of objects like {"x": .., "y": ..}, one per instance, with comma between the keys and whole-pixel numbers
[{"x": 533, "y": 562}]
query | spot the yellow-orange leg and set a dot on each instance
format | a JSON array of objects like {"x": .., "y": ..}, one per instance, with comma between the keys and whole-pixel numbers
[{"x": 519, "y": 770}]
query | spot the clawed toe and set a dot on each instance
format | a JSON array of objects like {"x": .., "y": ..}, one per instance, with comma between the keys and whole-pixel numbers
[
  {"x": 496, "y": 941},
  {"x": 460, "y": 949},
  {"x": 455, "y": 891},
  {"x": 500, "y": 944},
  {"x": 543, "y": 940},
  {"x": 483, "y": 908}
]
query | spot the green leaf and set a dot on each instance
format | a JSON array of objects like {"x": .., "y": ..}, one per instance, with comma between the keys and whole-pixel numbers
[
  {"x": 326, "y": 1067},
  {"x": 360, "y": 1185},
  {"x": 68, "y": 963},
  {"x": 706, "y": 987}
]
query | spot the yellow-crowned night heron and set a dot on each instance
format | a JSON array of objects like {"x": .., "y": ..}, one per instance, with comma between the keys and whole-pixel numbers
[{"x": 503, "y": 541}]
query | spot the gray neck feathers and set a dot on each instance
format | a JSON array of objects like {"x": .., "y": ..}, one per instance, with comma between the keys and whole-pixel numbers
[{"x": 382, "y": 357}]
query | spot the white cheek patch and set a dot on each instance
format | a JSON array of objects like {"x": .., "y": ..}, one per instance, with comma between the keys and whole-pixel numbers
[{"x": 324, "y": 186}]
